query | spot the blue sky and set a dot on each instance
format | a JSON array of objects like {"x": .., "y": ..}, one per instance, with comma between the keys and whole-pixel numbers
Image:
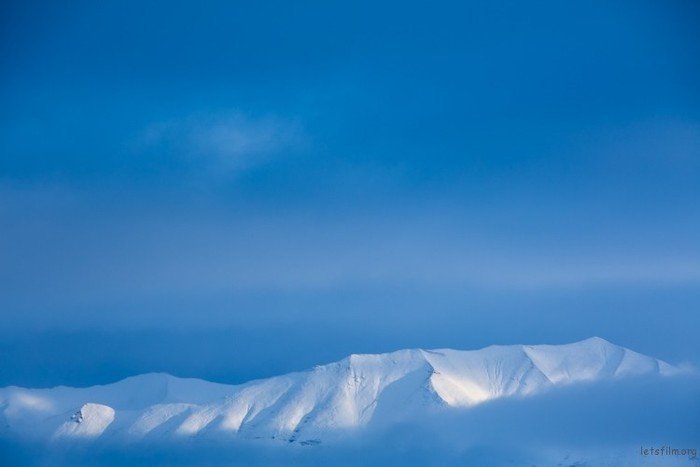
[{"x": 228, "y": 190}]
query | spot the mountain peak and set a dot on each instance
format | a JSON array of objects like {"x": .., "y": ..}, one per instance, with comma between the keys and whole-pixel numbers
[{"x": 321, "y": 402}]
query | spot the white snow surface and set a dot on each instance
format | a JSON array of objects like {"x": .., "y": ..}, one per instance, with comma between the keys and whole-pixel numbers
[{"x": 317, "y": 404}]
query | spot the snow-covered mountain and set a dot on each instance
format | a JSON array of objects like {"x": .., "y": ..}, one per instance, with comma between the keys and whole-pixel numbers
[{"x": 316, "y": 405}]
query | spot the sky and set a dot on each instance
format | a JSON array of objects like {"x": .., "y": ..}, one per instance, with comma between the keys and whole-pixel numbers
[{"x": 231, "y": 190}]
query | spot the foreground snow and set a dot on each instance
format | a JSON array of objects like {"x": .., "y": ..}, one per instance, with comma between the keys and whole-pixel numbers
[{"x": 315, "y": 406}]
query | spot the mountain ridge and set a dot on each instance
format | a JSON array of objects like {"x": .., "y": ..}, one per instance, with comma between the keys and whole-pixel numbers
[{"x": 319, "y": 403}]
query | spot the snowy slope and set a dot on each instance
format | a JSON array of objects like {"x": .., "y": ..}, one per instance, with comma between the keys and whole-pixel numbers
[{"x": 316, "y": 405}]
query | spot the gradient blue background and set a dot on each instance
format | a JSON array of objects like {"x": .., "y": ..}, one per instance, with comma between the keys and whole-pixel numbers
[{"x": 232, "y": 190}]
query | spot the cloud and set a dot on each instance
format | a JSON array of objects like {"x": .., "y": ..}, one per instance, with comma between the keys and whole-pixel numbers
[
  {"x": 588, "y": 424},
  {"x": 225, "y": 142},
  {"x": 104, "y": 250}
]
